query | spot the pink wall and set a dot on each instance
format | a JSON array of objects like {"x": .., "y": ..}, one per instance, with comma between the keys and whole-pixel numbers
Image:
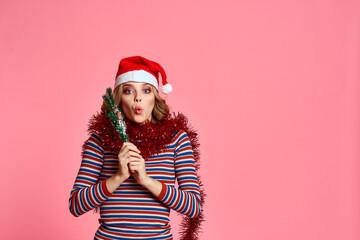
[{"x": 271, "y": 86}]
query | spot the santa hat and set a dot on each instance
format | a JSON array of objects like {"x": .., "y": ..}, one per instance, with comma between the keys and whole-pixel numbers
[{"x": 140, "y": 69}]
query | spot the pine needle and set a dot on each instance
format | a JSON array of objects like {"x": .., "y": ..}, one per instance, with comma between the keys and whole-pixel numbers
[{"x": 118, "y": 123}]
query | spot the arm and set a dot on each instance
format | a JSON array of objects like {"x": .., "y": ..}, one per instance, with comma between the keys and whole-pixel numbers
[
  {"x": 185, "y": 199},
  {"x": 87, "y": 192}
]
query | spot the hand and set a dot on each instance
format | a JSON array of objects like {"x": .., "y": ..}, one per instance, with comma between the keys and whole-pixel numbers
[
  {"x": 138, "y": 170},
  {"x": 128, "y": 153}
]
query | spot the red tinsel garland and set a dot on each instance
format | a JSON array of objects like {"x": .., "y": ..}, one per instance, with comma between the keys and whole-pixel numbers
[{"x": 151, "y": 138}]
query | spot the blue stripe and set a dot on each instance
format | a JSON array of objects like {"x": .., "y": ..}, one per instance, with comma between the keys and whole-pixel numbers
[
  {"x": 129, "y": 185},
  {"x": 193, "y": 209},
  {"x": 76, "y": 207},
  {"x": 105, "y": 175},
  {"x": 110, "y": 154},
  {"x": 162, "y": 155},
  {"x": 91, "y": 163},
  {"x": 78, "y": 185},
  {"x": 187, "y": 178},
  {"x": 160, "y": 231},
  {"x": 110, "y": 161},
  {"x": 71, "y": 205},
  {"x": 135, "y": 216},
  {"x": 132, "y": 200},
  {"x": 193, "y": 192},
  {"x": 96, "y": 137},
  {"x": 168, "y": 162},
  {"x": 160, "y": 169},
  {"x": 189, "y": 153},
  {"x": 183, "y": 145},
  {"x": 180, "y": 201},
  {"x": 85, "y": 178},
  {"x": 137, "y": 208},
  {"x": 174, "y": 197},
  {"x": 183, "y": 135},
  {"x": 133, "y": 192},
  {"x": 184, "y": 161},
  {"x": 88, "y": 199},
  {"x": 163, "y": 178},
  {"x": 137, "y": 187},
  {"x": 189, "y": 185},
  {"x": 88, "y": 153},
  {"x": 81, "y": 200},
  {"x": 186, "y": 170},
  {"x": 186, "y": 204},
  {"x": 101, "y": 192},
  {"x": 171, "y": 146},
  {"x": 198, "y": 206},
  {"x": 91, "y": 144},
  {"x": 94, "y": 195},
  {"x": 90, "y": 171},
  {"x": 167, "y": 192},
  {"x": 136, "y": 225},
  {"x": 111, "y": 168}
]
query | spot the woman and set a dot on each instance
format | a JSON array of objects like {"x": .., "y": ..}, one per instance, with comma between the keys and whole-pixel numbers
[{"x": 133, "y": 183}]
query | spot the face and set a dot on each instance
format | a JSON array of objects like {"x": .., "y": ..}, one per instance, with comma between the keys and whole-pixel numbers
[{"x": 137, "y": 101}]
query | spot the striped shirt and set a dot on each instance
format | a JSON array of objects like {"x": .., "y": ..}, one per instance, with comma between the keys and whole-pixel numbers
[{"x": 131, "y": 211}]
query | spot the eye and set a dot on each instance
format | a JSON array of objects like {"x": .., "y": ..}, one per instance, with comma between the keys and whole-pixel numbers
[
  {"x": 147, "y": 90},
  {"x": 127, "y": 91}
]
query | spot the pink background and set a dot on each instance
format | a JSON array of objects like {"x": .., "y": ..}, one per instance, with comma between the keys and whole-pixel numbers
[{"x": 271, "y": 86}]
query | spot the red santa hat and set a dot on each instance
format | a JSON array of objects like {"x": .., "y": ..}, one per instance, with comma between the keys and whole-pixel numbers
[{"x": 140, "y": 69}]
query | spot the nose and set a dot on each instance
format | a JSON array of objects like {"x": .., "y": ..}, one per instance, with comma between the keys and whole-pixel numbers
[{"x": 138, "y": 97}]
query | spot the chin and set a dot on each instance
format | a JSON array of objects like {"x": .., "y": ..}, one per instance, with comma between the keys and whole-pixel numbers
[{"x": 139, "y": 119}]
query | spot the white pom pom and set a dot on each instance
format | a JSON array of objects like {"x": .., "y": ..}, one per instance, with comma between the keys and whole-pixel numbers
[{"x": 166, "y": 89}]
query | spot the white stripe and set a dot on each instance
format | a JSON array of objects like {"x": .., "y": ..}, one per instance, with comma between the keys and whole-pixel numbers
[{"x": 136, "y": 76}]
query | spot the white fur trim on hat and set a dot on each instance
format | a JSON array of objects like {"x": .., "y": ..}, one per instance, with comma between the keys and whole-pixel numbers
[{"x": 137, "y": 76}]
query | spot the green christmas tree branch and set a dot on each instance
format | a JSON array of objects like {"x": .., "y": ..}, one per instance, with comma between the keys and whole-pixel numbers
[{"x": 116, "y": 115}]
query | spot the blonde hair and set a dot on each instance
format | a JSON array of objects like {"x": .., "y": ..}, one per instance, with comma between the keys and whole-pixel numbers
[{"x": 161, "y": 109}]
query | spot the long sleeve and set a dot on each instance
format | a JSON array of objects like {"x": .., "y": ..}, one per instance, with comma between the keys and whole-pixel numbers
[
  {"x": 87, "y": 192},
  {"x": 185, "y": 199}
]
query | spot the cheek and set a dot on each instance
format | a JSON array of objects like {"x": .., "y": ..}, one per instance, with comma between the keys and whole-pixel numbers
[
  {"x": 151, "y": 102},
  {"x": 124, "y": 104}
]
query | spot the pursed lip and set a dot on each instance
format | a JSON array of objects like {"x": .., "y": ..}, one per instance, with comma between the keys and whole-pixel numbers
[{"x": 138, "y": 110}]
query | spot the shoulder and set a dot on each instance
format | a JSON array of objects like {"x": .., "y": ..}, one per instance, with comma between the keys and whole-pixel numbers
[
  {"x": 181, "y": 138},
  {"x": 94, "y": 141},
  {"x": 180, "y": 134},
  {"x": 184, "y": 128}
]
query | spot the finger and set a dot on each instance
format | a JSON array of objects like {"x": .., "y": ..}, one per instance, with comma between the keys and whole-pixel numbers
[
  {"x": 133, "y": 164},
  {"x": 130, "y": 146},
  {"x": 130, "y": 157},
  {"x": 134, "y": 154},
  {"x": 134, "y": 160},
  {"x": 127, "y": 153},
  {"x": 129, "y": 160},
  {"x": 133, "y": 168},
  {"x": 131, "y": 154}
]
